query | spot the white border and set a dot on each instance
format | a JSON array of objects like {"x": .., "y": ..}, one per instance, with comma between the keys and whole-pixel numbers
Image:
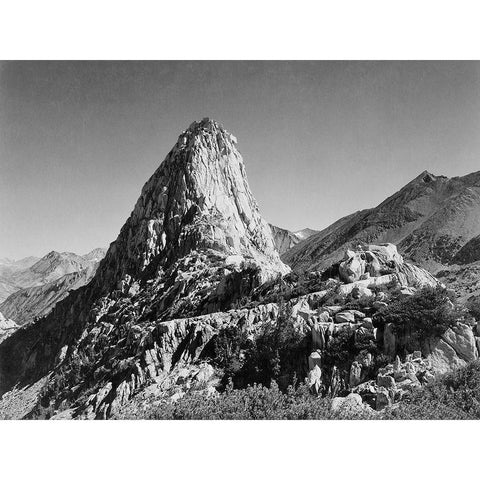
[
  {"x": 251, "y": 29},
  {"x": 241, "y": 30}
]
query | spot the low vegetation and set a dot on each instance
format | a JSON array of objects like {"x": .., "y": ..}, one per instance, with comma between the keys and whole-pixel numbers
[
  {"x": 256, "y": 402},
  {"x": 426, "y": 314},
  {"x": 456, "y": 396},
  {"x": 277, "y": 353}
]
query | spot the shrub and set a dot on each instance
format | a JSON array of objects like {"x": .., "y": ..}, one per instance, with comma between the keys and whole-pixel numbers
[
  {"x": 255, "y": 402},
  {"x": 456, "y": 396},
  {"x": 228, "y": 347},
  {"x": 427, "y": 313},
  {"x": 278, "y": 352},
  {"x": 344, "y": 347}
]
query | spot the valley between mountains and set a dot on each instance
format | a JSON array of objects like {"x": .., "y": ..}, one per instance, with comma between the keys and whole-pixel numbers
[{"x": 201, "y": 309}]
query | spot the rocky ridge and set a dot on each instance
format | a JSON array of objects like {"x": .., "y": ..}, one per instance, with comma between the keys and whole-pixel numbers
[
  {"x": 194, "y": 242},
  {"x": 431, "y": 220}
]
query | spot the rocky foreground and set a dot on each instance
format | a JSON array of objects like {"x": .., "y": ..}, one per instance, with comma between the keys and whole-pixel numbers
[{"x": 192, "y": 297}]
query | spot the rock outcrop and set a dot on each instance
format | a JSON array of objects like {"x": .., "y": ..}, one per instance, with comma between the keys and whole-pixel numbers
[
  {"x": 194, "y": 243},
  {"x": 434, "y": 221}
]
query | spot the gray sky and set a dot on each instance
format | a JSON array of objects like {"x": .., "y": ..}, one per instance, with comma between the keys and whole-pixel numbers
[{"x": 319, "y": 139}]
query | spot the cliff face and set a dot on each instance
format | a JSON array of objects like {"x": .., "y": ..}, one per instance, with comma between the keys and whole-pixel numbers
[
  {"x": 430, "y": 220},
  {"x": 285, "y": 239},
  {"x": 194, "y": 243},
  {"x": 198, "y": 198}
]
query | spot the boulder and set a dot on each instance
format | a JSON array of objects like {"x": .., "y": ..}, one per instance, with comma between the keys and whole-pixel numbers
[
  {"x": 461, "y": 339},
  {"x": 352, "y": 267},
  {"x": 386, "y": 381},
  {"x": 361, "y": 291},
  {"x": 302, "y": 309},
  {"x": 314, "y": 379},
  {"x": 315, "y": 359},
  {"x": 443, "y": 358},
  {"x": 205, "y": 373},
  {"x": 352, "y": 402},
  {"x": 331, "y": 309},
  {"x": 347, "y": 316},
  {"x": 383, "y": 398}
]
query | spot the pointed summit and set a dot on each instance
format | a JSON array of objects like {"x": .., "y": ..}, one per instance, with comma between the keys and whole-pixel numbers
[
  {"x": 429, "y": 219},
  {"x": 194, "y": 243},
  {"x": 198, "y": 199}
]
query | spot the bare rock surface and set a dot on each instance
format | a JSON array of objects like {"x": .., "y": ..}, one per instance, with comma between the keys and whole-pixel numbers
[
  {"x": 154, "y": 299},
  {"x": 434, "y": 221},
  {"x": 285, "y": 239}
]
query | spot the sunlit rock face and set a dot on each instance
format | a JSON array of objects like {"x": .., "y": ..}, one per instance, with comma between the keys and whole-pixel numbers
[
  {"x": 193, "y": 244},
  {"x": 198, "y": 198}
]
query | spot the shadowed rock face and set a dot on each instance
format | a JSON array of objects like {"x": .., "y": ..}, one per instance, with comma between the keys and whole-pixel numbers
[
  {"x": 193, "y": 243},
  {"x": 430, "y": 220},
  {"x": 285, "y": 239}
]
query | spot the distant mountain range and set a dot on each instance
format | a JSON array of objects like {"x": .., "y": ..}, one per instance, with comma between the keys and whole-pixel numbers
[
  {"x": 31, "y": 287},
  {"x": 434, "y": 221},
  {"x": 285, "y": 239}
]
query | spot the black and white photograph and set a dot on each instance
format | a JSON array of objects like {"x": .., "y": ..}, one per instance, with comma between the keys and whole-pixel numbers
[
  {"x": 309, "y": 250},
  {"x": 239, "y": 243}
]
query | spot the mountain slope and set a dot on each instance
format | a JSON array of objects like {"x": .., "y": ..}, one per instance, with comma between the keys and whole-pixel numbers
[
  {"x": 285, "y": 239},
  {"x": 26, "y": 304},
  {"x": 34, "y": 272},
  {"x": 8, "y": 268},
  {"x": 7, "y": 327},
  {"x": 95, "y": 255},
  {"x": 194, "y": 242},
  {"x": 430, "y": 219},
  {"x": 50, "y": 267},
  {"x": 304, "y": 233}
]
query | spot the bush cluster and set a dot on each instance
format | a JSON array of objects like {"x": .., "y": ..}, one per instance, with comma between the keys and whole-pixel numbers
[
  {"x": 426, "y": 314},
  {"x": 277, "y": 352},
  {"x": 255, "y": 402},
  {"x": 456, "y": 396}
]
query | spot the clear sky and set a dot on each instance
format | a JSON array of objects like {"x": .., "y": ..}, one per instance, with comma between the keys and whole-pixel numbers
[{"x": 319, "y": 139}]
